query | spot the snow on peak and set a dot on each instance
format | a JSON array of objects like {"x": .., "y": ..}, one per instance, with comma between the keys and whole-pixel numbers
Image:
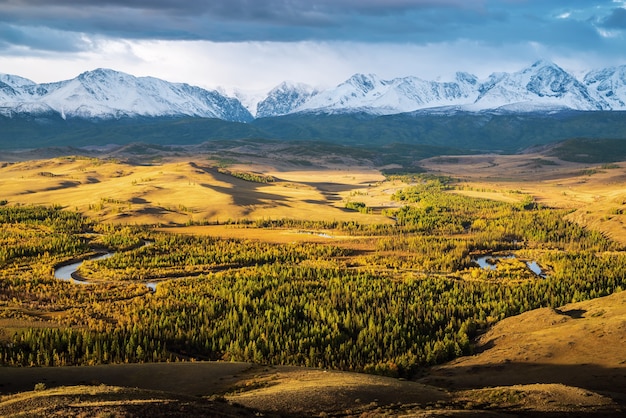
[
  {"x": 362, "y": 82},
  {"x": 543, "y": 84},
  {"x": 462, "y": 77},
  {"x": 404, "y": 94},
  {"x": 104, "y": 93},
  {"x": 15, "y": 81},
  {"x": 609, "y": 84},
  {"x": 284, "y": 99}
]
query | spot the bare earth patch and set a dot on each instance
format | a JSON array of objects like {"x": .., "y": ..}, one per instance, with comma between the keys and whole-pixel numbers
[{"x": 301, "y": 391}]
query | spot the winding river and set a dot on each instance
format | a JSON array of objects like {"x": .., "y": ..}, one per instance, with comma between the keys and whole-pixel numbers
[{"x": 66, "y": 272}]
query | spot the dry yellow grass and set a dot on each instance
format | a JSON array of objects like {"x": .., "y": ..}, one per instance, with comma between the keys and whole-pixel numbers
[
  {"x": 540, "y": 398},
  {"x": 179, "y": 190},
  {"x": 112, "y": 401},
  {"x": 189, "y": 378},
  {"x": 176, "y": 192},
  {"x": 306, "y": 392}
]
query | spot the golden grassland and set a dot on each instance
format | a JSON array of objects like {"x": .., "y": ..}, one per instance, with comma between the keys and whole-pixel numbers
[
  {"x": 192, "y": 190},
  {"x": 178, "y": 192},
  {"x": 113, "y": 401},
  {"x": 564, "y": 361}
]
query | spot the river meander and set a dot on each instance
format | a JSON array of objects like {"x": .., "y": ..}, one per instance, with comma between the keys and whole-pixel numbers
[{"x": 65, "y": 272}]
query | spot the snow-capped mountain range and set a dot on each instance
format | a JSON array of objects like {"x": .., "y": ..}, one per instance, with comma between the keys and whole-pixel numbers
[
  {"x": 111, "y": 94},
  {"x": 542, "y": 86},
  {"x": 105, "y": 94}
]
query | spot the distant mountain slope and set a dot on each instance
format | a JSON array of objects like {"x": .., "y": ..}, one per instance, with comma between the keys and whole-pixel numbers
[
  {"x": 471, "y": 131},
  {"x": 542, "y": 85},
  {"x": 105, "y": 94},
  {"x": 507, "y": 112},
  {"x": 21, "y": 132},
  {"x": 368, "y": 93},
  {"x": 15, "y": 81},
  {"x": 284, "y": 99},
  {"x": 590, "y": 150},
  {"x": 610, "y": 85},
  {"x": 463, "y": 132}
]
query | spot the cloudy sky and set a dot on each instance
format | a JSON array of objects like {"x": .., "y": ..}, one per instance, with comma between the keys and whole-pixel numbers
[{"x": 255, "y": 44}]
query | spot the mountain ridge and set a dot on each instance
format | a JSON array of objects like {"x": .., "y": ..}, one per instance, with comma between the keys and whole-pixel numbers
[
  {"x": 105, "y": 94},
  {"x": 109, "y": 94}
]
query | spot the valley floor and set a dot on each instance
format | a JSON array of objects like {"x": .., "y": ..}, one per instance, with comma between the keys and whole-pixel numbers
[{"x": 549, "y": 362}]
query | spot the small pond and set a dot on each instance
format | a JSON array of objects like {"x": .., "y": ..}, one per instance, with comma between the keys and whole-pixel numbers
[{"x": 489, "y": 262}]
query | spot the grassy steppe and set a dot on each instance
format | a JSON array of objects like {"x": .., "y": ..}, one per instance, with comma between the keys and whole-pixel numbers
[{"x": 180, "y": 192}]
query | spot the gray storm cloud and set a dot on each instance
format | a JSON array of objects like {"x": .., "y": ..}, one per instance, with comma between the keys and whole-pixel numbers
[
  {"x": 412, "y": 21},
  {"x": 565, "y": 27}
]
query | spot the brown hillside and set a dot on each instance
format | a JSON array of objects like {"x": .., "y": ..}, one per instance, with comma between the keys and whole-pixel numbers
[
  {"x": 581, "y": 344},
  {"x": 111, "y": 401}
]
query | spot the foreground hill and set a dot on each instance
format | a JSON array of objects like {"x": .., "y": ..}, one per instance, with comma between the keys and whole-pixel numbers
[
  {"x": 578, "y": 345},
  {"x": 546, "y": 362}
]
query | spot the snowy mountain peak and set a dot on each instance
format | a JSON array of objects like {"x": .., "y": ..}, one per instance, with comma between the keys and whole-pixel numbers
[
  {"x": 362, "y": 82},
  {"x": 466, "y": 78},
  {"x": 284, "y": 99},
  {"x": 291, "y": 85},
  {"x": 543, "y": 85},
  {"x": 539, "y": 87},
  {"x": 15, "y": 81},
  {"x": 548, "y": 79},
  {"x": 104, "y": 93},
  {"x": 609, "y": 84},
  {"x": 542, "y": 63},
  {"x": 100, "y": 74}
]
